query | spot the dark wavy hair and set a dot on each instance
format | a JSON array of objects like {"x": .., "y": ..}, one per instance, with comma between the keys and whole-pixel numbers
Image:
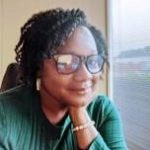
[{"x": 43, "y": 33}]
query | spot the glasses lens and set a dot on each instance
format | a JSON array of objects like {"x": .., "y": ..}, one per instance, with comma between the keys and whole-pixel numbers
[
  {"x": 67, "y": 63},
  {"x": 95, "y": 63}
]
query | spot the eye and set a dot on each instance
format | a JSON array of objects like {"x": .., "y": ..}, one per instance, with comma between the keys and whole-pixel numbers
[
  {"x": 75, "y": 62},
  {"x": 93, "y": 60},
  {"x": 64, "y": 61},
  {"x": 67, "y": 63},
  {"x": 94, "y": 63}
]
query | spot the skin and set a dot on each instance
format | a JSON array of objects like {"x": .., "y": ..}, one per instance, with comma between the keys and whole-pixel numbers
[{"x": 61, "y": 94}]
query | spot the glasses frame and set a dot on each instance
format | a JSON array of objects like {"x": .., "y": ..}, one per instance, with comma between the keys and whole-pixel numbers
[{"x": 82, "y": 59}]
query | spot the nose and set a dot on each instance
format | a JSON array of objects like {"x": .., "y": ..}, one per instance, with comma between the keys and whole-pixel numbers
[{"x": 82, "y": 74}]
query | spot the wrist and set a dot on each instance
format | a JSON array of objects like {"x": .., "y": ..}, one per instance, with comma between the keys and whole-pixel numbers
[
  {"x": 83, "y": 126},
  {"x": 79, "y": 116},
  {"x": 76, "y": 110}
]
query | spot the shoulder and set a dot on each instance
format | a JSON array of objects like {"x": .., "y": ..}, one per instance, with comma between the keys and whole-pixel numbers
[
  {"x": 12, "y": 93},
  {"x": 102, "y": 103},
  {"x": 8, "y": 101},
  {"x": 15, "y": 100},
  {"x": 15, "y": 110},
  {"x": 17, "y": 93},
  {"x": 103, "y": 108},
  {"x": 12, "y": 96},
  {"x": 9, "y": 96}
]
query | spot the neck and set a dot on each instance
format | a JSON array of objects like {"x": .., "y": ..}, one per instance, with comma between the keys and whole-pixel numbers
[{"x": 53, "y": 110}]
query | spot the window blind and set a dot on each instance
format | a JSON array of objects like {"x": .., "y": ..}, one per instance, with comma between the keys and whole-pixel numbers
[{"x": 129, "y": 42}]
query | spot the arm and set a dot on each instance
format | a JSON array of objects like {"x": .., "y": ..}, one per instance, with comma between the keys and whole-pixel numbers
[
  {"x": 108, "y": 135},
  {"x": 86, "y": 136}
]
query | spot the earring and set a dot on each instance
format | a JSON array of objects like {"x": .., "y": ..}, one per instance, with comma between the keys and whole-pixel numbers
[{"x": 38, "y": 84}]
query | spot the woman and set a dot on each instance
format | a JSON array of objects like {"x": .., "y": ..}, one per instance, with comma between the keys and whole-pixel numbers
[{"x": 66, "y": 55}]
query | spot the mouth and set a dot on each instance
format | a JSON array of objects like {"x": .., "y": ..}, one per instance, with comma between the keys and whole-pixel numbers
[{"x": 82, "y": 91}]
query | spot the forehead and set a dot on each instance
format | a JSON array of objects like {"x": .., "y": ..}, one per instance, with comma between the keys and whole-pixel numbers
[{"x": 81, "y": 42}]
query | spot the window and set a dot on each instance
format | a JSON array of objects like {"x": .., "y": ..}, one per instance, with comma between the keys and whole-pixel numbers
[{"x": 129, "y": 44}]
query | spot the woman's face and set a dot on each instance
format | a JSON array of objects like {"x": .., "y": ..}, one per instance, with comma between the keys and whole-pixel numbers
[{"x": 75, "y": 89}]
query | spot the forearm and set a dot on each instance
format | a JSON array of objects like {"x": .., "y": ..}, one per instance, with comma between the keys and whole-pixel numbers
[
  {"x": 108, "y": 133},
  {"x": 87, "y": 135}
]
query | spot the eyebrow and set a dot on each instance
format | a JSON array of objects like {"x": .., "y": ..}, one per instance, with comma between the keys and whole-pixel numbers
[
  {"x": 75, "y": 54},
  {"x": 95, "y": 52}
]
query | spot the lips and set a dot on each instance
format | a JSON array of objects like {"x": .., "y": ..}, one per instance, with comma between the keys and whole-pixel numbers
[{"x": 83, "y": 88}]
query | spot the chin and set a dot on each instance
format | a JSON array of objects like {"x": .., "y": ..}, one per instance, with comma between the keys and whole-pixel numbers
[
  {"x": 78, "y": 98},
  {"x": 81, "y": 101}
]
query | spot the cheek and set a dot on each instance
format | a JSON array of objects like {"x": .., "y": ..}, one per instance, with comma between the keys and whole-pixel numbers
[
  {"x": 56, "y": 88},
  {"x": 96, "y": 82},
  {"x": 54, "y": 82},
  {"x": 96, "y": 78},
  {"x": 51, "y": 77}
]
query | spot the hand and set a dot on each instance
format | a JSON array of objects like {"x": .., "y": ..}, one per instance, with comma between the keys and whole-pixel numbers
[{"x": 79, "y": 115}]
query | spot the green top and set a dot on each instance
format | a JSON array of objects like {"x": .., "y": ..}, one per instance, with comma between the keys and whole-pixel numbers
[{"x": 23, "y": 126}]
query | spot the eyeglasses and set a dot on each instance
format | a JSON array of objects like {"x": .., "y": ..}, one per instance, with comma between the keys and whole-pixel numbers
[{"x": 69, "y": 63}]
